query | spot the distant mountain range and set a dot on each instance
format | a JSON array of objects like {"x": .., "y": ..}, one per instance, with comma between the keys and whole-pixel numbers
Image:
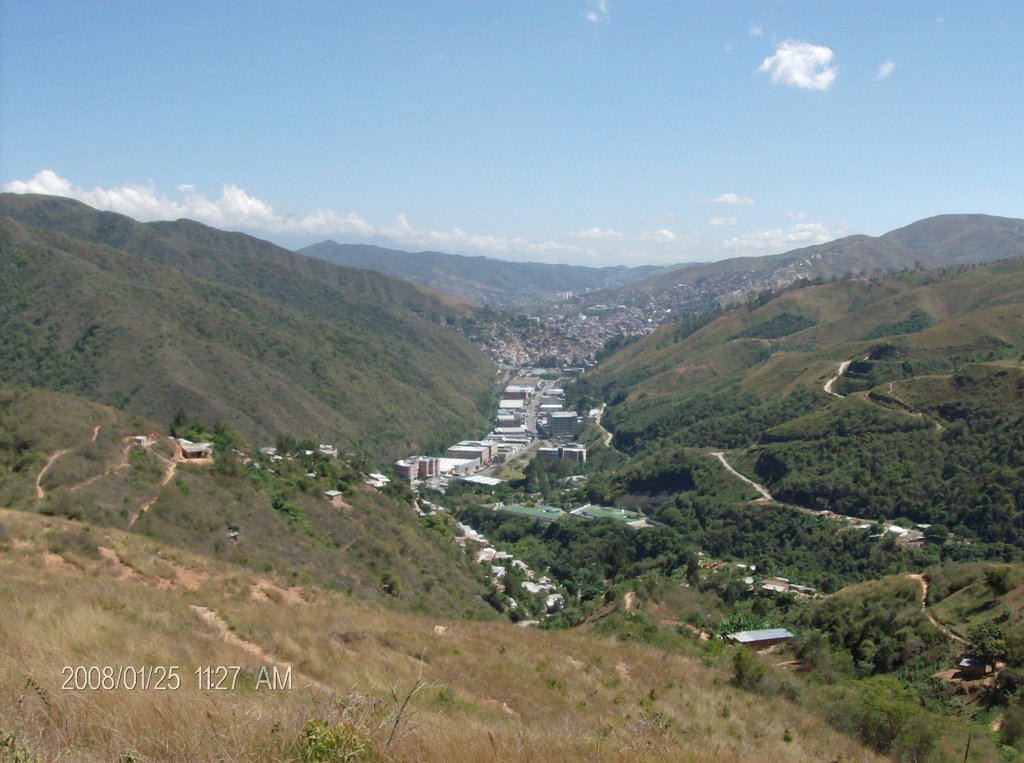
[
  {"x": 160, "y": 316},
  {"x": 480, "y": 280},
  {"x": 933, "y": 242}
]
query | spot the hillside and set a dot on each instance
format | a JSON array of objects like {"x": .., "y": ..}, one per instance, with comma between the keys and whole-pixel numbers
[
  {"x": 365, "y": 682},
  {"x": 480, "y": 280},
  {"x": 159, "y": 317},
  {"x": 895, "y": 398},
  {"x": 936, "y": 242},
  {"x": 63, "y": 456}
]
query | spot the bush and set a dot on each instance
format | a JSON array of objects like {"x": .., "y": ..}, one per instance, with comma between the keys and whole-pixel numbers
[
  {"x": 323, "y": 741},
  {"x": 1012, "y": 729},
  {"x": 747, "y": 670}
]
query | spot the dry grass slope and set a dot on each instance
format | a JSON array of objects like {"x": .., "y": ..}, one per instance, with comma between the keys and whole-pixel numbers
[{"x": 75, "y": 595}]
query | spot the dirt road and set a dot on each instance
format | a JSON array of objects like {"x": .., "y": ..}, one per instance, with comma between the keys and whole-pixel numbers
[
  {"x": 831, "y": 382},
  {"x": 765, "y": 495},
  {"x": 923, "y": 582}
]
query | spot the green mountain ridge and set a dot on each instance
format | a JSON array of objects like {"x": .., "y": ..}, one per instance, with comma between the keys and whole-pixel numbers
[
  {"x": 887, "y": 398},
  {"x": 177, "y": 315},
  {"x": 940, "y": 241}
]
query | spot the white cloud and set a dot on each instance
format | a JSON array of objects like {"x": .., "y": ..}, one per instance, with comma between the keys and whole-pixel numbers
[
  {"x": 796, "y": 215},
  {"x": 596, "y": 12},
  {"x": 660, "y": 236},
  {"x": 756, "y": 30},
  {"x": 723, "y": 221},
  {"x": 779, "y": 240},
  {"x": 885, "y": 70},
  {"x": 234, "y": 208},
  {"x": 732, "y": 198},
  {"x": 801, "y": 64},
  {"x": 458, "y": 240},
  {"x": 596, "y": 233}
]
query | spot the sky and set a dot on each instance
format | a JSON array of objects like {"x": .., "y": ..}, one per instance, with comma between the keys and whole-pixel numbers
[{"x": 592, "y": 132}]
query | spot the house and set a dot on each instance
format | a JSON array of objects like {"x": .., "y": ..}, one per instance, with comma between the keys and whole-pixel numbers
[
  {"x": 140, "y": 440},
  {"x": 970, "y": 669},
  {"x": 190, "y": 450},
  {"x": 328, "y": 450},
  {"x": 761, "y": 639},
  {"x": 335, "y": 497},
  {"x": 554, "y": 601}
]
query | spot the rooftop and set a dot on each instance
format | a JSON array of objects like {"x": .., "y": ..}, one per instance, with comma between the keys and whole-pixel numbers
[
  {"x": 607, "y": 512},
  {"x": 768, "y": 634}
]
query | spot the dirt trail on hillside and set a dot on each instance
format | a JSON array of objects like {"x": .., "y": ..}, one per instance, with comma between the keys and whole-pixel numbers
[
  {"x": 902, "y": 406},
  {"x": 229, "y": 637},
  {"x": 597, "y": 422},
  {"x": 629, "y": 601},
  {"x": 831, "y": 382},
  {"x": 169, "y": 470},
  {"x": 122, "y": 464},
  {"x": 765, "y": 495},
  {"x": 40, "y": 493},
  {"x": 923, "y": 583}
]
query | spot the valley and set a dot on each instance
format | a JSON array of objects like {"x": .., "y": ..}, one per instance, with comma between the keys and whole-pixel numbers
[{"x": 464, "y": 534}]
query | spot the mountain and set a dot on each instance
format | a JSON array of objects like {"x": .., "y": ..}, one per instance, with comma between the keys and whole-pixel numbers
[
  {"x": 941, "y": 241},
  {"x": 890, "y": 398},
  {"x": 159, "y": 317},
  {"x": 480, "y": 280}
]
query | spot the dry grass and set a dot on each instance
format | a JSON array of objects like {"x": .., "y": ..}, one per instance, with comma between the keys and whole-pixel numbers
[{"x": 483, "y": 691}]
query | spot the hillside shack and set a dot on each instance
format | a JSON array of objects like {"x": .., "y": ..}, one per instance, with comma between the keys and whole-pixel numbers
[{"x": 761, "y": 639}]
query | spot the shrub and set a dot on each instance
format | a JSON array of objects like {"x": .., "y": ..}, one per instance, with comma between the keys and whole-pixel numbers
[
  {"x": 747, "y": 670},
  {"x": 1012, "y": 729},
  {"x": 323, "y": 741}
]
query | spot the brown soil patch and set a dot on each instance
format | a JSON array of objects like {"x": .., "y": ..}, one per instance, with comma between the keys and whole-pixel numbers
[
  {"x": 122, "y": 570},
  {"x": 629, "y": 601},
  {"x": 266, "y": 592},
  {"x": 231, "y": 638},
  {"x": 185, "y": 578},
  {"x": 57, "y": 563}
]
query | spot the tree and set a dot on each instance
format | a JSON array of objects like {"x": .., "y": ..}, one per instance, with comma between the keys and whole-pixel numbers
[
  {"x": 987, "y": 643},
  {"x": 998, "y": 580},
  {"x": 937, "y": 534},
  {"x": 693, "y": 570}
]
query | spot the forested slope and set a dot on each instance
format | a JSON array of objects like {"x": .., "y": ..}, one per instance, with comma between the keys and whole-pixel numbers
[{"x": 155, "y": 318}]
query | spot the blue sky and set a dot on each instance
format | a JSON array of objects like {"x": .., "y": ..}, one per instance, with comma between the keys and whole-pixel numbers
[{"x": 559, "y": 131}]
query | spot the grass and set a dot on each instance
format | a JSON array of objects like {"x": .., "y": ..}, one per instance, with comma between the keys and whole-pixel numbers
[
  {"x": 285, "y": 525},
  {"x": 489, "y": 691}
]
